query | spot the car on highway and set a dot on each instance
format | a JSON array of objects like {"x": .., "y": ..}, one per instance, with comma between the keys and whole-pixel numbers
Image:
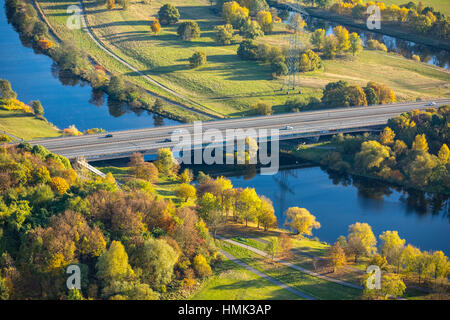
[
  {"x": 288, "y": 128},
  {"x": 432, "y": 103},
  {"x": 109, "y": 135},
  {"x": 176, "y": 131}
]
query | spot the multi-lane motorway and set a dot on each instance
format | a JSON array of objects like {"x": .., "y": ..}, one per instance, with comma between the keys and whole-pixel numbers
[{"x": 123, "y": 143}]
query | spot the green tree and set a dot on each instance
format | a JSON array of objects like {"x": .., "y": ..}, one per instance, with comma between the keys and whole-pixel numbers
[
  {"x": 6, "y": 91},
  {"x": 371, "y": 156},
  {"x": 188, "y": 30},
  {"x": 355, "y": 43},
  {"x": 165, "y": 161},
  {"x": 272, "y": 247},
  {"x": 318, "y": 38},
  {"x": 262, "y": 108},
  {"x": 361, "y": 240},
  {"x": 156, "y": 259},
  {"x": 247, "y": 50},
  {"x": 224, "y": 34},
  {"x": 113, "y": 264},
  {"x": 301, "y": 221},
  {"x": 168, "y": 14},
  {"x": 371, "y": 96},
  {"x": 251, "y": 29},
  {"x": 197, "y": 59}
]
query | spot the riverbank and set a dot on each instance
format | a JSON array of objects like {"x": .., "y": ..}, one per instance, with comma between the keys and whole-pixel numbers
[
  {"x": 318, "y": 152},
  {"x": 171, "y": 108},
  {"x": 26, "y": 126},
  {"x": 387, "y": 27}
]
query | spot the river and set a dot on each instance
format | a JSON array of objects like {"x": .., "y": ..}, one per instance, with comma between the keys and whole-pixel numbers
[
  {"x": 423, "y": 220},
  {"x": 67, "y": 101}
]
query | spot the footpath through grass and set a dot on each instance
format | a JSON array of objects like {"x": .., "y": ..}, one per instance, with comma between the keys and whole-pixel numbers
[
  {"x": 232, "y": 282},
  {"x": 316, "y": 287}
]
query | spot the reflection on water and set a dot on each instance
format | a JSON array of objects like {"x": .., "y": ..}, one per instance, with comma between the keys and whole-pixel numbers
[
  {"x": 66, "y": 99},
  {"x": 338, "y": 200},
  {"x": 428, "y": 54}
]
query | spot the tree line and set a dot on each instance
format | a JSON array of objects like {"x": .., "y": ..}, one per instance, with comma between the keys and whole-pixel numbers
[{"x": 411, "y": 151}]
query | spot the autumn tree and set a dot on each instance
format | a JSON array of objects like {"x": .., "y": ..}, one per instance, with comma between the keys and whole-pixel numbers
[
  {"x": 201, "y": 266},
  {"x": 361, "y": 240},
  {"x": 155, "y": 26},
  {"x": 391, "y": 247},
  {"x": 387, "y": 136},
  {"x": 371, "y": 156},
  {"x": 301, "y": 221},
  {"x": 141, "y": 169},
  {"x": 285, "y": 244},
  {"x": 392, "y": 285},
  {"x": 111, "y": 4},
  {"x": 251, "y": 29},
  {"x": 444, "y": 154},
  {"x": 337, "y": 256},
  {"x": 234, "y": 14},
  {"x": 343, "y": 38},
  {"x": 262, "y": 108},
  {"x": 186, "y": 191},
  {"x": 249, "y": 203},
  {"x": 420, "y": 143},
  {"x": 264, "y": 19},
  {"x": 266, "y": 214}
]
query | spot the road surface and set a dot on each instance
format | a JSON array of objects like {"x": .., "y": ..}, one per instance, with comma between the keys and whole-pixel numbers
[{"x": 123, "y": 143}]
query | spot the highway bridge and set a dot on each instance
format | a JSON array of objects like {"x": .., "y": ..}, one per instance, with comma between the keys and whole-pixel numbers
[{"x": 291, "y": 125}]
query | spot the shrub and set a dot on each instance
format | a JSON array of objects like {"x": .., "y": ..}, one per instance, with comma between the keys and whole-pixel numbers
[
  {"x": 201, "y": 266},
  {"x": 155, "y": 26},
  {"x": 197, "y": 59},
  {"x": 224, "y": 34},
  {"x": 310, "y": 61},
  {"x": 168, "y": 14},
  {"x": 188, "y": 30}
]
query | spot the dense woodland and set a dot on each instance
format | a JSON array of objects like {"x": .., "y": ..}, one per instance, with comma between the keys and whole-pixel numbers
[{"x": 411, "y": 151}]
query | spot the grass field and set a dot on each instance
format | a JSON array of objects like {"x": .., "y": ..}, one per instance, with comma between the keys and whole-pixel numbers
[
  {"x": 438, "y": 5},
  {"x": 319, "y": 288},
  {"x": 227, "y": 84},
  {"x": 26, "y": 126},
  {"x": 232, "y": 282}
]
